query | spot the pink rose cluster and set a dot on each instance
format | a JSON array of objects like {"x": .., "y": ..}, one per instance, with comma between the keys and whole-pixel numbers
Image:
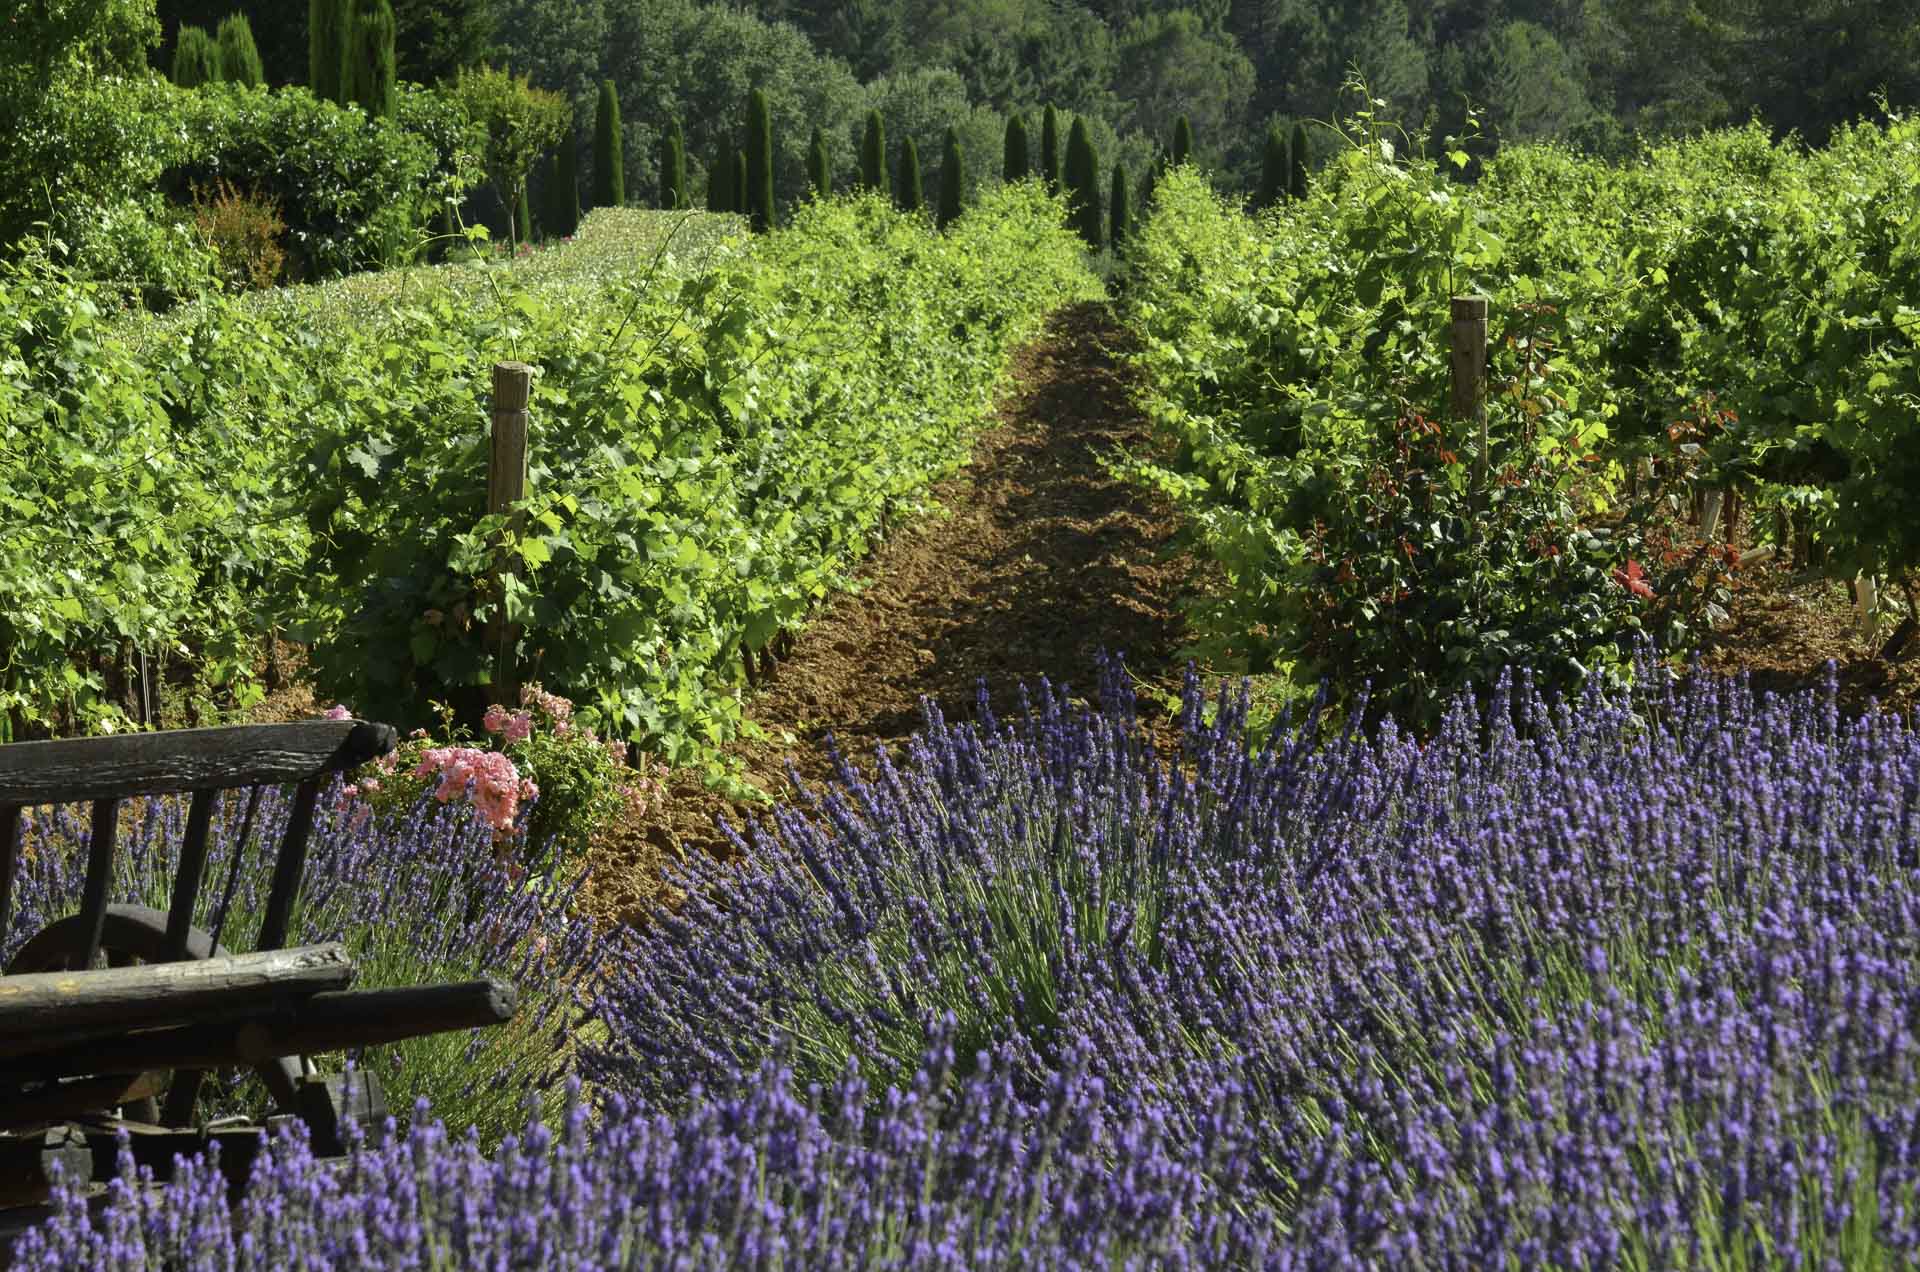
[
  {"x": 489, "y": 777},
  {"x": 512, "y": 727}
]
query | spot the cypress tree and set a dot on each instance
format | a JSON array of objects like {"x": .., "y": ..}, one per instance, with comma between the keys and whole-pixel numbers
[
  {"x": 1297, "y": 165},
  {"x": 1119, "y": 208},
  {"x": 563, "y": 189},
  {"x": 196, "y": 58},
  {"x": 906, "y": 192},
  {"x": 1083, "y": 185},
  {"x": 1273, "y": 169},
  {"x": 374, "y": 78},
  {"x": 819, "y": 166},
  {"x": 1182, "y": 141},
  {"x": 1050, "y": 150},
  {"x": 953, "y": 177},
  {"x": 239, "y": 56},
  {"x": 873, "y": 155},
  {"x": 1151, "y": 181},
  {"x": 673, "y": 167},
  {"x": 328, "y": 25},
  {"x": 759, "y": 162},
  {"x": 720, "y": 179},
  {"x": 1014, "y": 163},
  {"x": 609, "y": 160},
  {"x": 739, "y": 186},
  {"x": 523, "y": 217}
]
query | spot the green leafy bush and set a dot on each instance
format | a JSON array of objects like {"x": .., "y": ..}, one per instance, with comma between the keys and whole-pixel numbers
[
  {"x": 710, "y": 455},
  {"x": 1726, "y": 307}
]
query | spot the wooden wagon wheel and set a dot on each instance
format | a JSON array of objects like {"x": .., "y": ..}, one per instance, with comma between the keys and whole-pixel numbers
[{"x": 138, "y": 934}]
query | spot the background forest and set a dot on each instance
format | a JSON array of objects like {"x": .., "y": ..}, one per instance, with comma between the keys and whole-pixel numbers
[{"x": 1593, "y": 72}]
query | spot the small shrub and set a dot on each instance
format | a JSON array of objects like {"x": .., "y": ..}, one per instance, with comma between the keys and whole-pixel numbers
[
  {"x": 574, "y": 784},
  {"x": 245, "y": 232}
]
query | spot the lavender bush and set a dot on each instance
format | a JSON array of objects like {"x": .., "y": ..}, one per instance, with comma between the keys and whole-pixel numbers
[
  {"x": 947, "y": 1173},
  {"x": 417, "y": 897},
  {"x": 1589, "y": 983},
  {"x": 1622, "y": 981}
]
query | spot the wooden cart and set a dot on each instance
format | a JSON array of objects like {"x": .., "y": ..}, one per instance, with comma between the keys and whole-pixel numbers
[{"x": 111, "y": 1017}]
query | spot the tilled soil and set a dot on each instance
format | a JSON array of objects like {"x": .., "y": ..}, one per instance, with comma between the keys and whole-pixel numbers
[{"x": 1034, "y": 561}]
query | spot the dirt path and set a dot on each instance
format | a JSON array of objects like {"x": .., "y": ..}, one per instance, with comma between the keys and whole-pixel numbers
[{"x": 1035, "y": 560}]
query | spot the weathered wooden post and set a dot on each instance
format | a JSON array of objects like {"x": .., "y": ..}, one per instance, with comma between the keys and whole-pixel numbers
[
  {"x": 1469, "y": 349},
  {"x": 506, "y": 486}
]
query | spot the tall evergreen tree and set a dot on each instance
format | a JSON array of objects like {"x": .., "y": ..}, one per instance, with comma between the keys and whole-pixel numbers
[
  {"x": 819, "y": 166},
  {"x": 436, "y": 39},
  {"x": 609, "y": 160},
  {"x": 239, "y": 55},
  {"x": 720, "y": 178},
  {"x": 1155, "y": 171},
  {"x": 1083, "y": 184},
  {"x": 953, "y": 180},
  {"x": 873, "y": 155},
  {"x": 759, "y": 162},
  {"x": 563, "y": 189},
  {"x": 673, "y": 166},
  {"x": 1273, "y": 169},
  {"x": 1119, "y": 208},
  {"x": 374, "y": 81},
  {"x": 1050, "y": 149},
  {"x": 196, "y": 58},
  {"x": 906, "y": 190},
  {"x": 523, "y": 217},
  {"x": 1182, "y": 141},
  {"x": 1014, "y": 162},
  {"x": 329, "y": 27},
  {"x": 1297, "y": 164},
  {"x": 739, "y": 182}
]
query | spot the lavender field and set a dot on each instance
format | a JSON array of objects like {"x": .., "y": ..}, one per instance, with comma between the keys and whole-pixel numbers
[{"x": 1627, "y": 981}]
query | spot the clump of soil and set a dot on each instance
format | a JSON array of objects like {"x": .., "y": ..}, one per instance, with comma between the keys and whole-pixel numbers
[
  {"x": 1034, "y": 561},
  {"x": 1788, "y": 625}
]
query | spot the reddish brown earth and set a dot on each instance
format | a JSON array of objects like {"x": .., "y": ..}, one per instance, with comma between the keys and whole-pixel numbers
[{"x": 1033, "y": 561}]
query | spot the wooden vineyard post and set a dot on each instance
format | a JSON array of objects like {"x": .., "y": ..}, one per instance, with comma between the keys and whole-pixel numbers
[
  {"x": 1469, "y": 350},
  {"x": 506, "y": 486}
]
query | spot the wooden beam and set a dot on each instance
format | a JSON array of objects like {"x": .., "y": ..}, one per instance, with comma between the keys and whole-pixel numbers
[
  {"x": 74, "y": 769},
  {"x": 46, "y": 1011},
  {"x": 289, "y": 867},
  {"x": 93, "y": 892},
  {"x": 323, "y": 1022},
  {"x": 186, "y": 880},
  {"x": 78, "y": 1098}
]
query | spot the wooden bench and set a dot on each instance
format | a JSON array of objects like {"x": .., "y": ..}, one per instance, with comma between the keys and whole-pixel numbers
[{"x": 111, "y": 1017}]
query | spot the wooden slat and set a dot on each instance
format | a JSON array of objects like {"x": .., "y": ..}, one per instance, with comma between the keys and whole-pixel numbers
[
  {"x": 12, "y": 829},
  {"x": 323, "y": 1022},
  {"x": 76, "y": 769},
  {"x": 93, "y": 893},
  {"x": 289, "y": 867},
  {"x": 45, "y": 1011},
  {"x": 76, "y": 1099},
  {"x": 186, "y": 883}
]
